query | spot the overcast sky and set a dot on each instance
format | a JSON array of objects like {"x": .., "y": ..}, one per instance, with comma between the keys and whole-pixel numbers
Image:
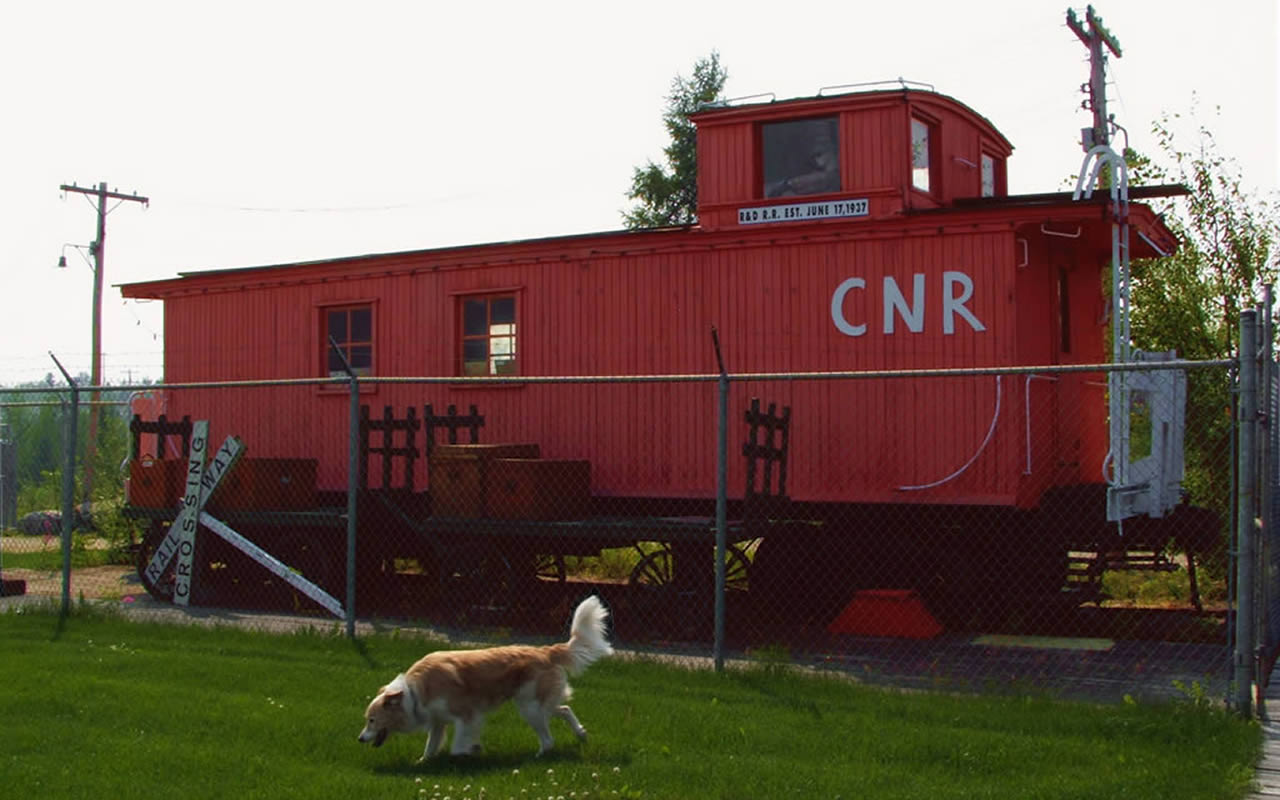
[{"x": 267, "y": 132}]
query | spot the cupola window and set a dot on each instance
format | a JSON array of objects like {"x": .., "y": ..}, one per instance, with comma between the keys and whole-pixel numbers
[{"x": 801, "y": 157}]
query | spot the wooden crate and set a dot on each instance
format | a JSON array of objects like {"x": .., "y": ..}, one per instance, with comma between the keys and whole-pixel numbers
[
  {"x": 268, "y": 483},
  {"x": 538, "y": 488},
  {"x": 458, "y": 476},
  {"x": 156, "y": 482}
]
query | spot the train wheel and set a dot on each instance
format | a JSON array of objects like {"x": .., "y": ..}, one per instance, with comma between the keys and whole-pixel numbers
[
  {"x": 672, "y": 604},
  {"x": 737, "y": 566},
  {"x": 481, "y": 581},
  {"x": 549, "y": 568},
  {"x": 655, "y": 569}
]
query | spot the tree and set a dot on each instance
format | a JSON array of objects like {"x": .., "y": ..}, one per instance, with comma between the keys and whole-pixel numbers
[
  {"x": 1191, "y": 301},
  {"x": 668, "y": 195}
]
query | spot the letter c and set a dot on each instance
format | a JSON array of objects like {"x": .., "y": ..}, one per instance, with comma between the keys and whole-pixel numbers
[{"x": 837, "y": 307}]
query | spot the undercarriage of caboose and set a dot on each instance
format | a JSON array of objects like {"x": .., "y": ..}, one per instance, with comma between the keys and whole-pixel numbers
[{"x": 444, "y": 555}]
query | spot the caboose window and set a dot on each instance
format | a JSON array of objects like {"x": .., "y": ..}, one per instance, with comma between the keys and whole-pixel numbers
[
  {"x": 489, "y": 335},
  {"x": 800, "y": 157},
  {"x": 351, "y": 327},
  {"x": 988, "y": 176},
  {"x": 923, "y": 141}
]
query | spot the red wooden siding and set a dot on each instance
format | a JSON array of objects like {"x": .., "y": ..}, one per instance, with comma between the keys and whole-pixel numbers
[
  {"x": 643, "y": 303},
  {"x": 651, "y": 314}
]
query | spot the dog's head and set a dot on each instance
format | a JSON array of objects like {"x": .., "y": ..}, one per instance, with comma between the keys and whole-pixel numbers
[{"x": 387, "y": 714}]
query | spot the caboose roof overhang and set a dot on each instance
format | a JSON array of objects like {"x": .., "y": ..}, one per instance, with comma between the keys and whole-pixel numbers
[{"x": 1051, "y": 214}]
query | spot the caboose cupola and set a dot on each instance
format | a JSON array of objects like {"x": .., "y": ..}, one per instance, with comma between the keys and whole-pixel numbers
[{"x": 873, "y": 154}]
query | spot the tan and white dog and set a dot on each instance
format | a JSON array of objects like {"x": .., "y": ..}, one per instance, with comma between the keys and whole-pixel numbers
[{"x": 463, "y": 686}]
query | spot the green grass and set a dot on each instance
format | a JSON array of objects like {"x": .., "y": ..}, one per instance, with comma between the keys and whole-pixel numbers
[
  {"x": 100, "y": 707},
  {"x": 614, "y": 564},
  {"x": 49, "y": 557}
]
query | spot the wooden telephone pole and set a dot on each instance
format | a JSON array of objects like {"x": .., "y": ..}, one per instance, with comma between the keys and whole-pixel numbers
[
  {"x": 1094, "y": 35},
  {"x": 97, "y": 248}
]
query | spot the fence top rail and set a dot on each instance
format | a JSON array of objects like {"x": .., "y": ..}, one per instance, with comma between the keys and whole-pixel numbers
[
  {"x": 59, "y": 403},
  {"x": 740, "y": 377}
]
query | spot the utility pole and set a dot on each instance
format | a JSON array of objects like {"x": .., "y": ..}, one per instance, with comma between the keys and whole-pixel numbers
[
  {"x": 97, "y": 248},
  {"x": 1094, "y": 35}
]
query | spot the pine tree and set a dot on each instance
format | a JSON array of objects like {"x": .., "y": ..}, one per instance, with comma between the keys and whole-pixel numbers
[{"x": 668, "y": 195}]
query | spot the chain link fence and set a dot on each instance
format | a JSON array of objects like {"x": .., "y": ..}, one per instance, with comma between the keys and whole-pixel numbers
[{"x": 940, "y": 529}]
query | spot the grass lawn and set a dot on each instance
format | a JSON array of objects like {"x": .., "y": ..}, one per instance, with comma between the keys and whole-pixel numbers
[
  {"x": 99, "y": 707},
  {"x": 45, "y": 554}
]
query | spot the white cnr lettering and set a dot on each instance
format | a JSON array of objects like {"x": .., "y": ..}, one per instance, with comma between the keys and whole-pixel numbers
[
  {"x": 837, "y": 307},
  {"x": 913, "y": 315},
  {"x": 954, "y": 303}
]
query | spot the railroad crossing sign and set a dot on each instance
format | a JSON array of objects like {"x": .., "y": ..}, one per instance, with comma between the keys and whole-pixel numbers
[{"x": 201, "y": 482}]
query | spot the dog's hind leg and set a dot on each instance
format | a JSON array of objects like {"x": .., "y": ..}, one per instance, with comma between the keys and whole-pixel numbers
[
  {"x": 536, "y": 716},
  {"x": 565, "y": 713}
]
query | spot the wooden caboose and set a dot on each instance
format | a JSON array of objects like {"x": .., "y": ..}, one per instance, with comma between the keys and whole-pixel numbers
[{"x": 858, "y": 231}]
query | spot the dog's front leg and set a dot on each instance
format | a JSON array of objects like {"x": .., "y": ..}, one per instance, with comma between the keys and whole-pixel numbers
[
  {"x": 435, "y": 738},
  {"x": 466, "y": 736}
]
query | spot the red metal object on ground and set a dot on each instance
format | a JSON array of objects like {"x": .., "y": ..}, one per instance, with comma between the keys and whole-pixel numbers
[{"x": 898, "y": 613}]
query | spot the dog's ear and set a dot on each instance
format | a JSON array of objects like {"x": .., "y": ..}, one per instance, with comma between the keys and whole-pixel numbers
[{"x": 393, "y": 699}]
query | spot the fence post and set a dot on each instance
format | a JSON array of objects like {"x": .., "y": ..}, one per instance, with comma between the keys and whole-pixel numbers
[
  {"x": 1266, "y": 482},
  {"x": 722, "y": 502},
  {"x": 353, "y": 485},
  {"x": 1246, "y": 514},
  {"x": 68, "y": 488}
]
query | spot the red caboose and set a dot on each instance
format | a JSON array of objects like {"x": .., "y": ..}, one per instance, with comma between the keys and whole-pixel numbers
[{"x": 862, "y": 231}]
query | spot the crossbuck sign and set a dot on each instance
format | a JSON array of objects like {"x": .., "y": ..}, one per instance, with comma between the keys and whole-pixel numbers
[{"x": 180, "y": 541}]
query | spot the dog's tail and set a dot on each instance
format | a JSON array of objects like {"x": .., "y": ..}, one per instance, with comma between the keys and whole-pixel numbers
[{"x": 586, "y": 635}]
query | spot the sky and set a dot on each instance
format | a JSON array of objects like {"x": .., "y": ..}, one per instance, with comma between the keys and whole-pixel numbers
[{"x": 272, "y": 132}]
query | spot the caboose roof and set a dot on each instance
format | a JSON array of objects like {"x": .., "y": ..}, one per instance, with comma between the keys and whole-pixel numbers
[
  {"x": 729, "y": 129},
  {"x": 1009, "y": 213},
  {"x": 831, "y": 99}
]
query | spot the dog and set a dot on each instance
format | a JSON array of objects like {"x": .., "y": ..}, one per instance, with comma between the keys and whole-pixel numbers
[{"x": 463, "y": 686}]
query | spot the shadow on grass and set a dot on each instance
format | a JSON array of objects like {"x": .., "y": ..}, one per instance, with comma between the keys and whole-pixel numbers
[{"x": 461, "y": 766}]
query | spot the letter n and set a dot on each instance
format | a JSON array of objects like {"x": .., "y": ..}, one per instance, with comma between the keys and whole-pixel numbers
[{"x": 913, "y": 315}]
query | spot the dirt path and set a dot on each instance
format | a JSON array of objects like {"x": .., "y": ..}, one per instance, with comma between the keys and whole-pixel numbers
[{"x": 111, "y": 582}]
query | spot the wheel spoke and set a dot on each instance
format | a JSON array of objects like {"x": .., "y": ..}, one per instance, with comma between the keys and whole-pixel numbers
[{"x": 654, "y": 569}]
